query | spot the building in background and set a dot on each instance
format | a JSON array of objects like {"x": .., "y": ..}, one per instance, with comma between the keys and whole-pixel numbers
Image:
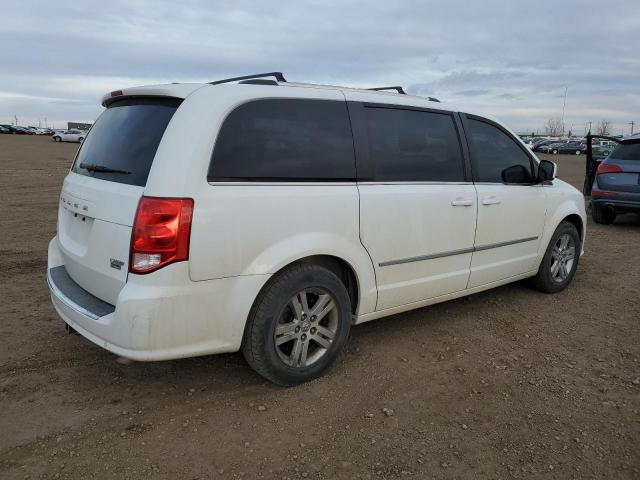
[{"x": 78, "y": 126}]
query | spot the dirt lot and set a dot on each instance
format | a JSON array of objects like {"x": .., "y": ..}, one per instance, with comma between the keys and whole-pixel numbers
[{"x": 509, "y": 383}]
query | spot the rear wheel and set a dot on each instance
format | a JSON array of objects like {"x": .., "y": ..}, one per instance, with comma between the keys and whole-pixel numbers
[
  {"x": 560, "y": 261},
  {"x": 602, "y": 215},
  {"x": 298, "y": 325}
]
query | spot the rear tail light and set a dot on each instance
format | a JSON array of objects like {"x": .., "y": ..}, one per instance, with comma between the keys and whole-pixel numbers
[
  {"x": 609, "y": 168},
  {"x": 603, "y": 193},
  {"x": 161, "y": 232}
]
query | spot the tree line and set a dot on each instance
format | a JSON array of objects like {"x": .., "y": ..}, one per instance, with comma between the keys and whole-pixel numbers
[{"x": 554, "y": 128}]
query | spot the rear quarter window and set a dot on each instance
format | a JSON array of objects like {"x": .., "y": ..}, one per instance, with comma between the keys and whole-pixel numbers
[{"x": 125, "y": 138}]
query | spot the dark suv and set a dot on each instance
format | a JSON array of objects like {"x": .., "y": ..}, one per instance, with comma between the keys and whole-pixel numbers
[{"x": 616, "y": 188}]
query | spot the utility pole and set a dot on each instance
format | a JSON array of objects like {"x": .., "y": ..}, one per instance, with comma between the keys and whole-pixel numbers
[
  {"x": 16, "y": 119},
  {"x": 564, "y": 103},
  {"x": 632, "y": 123}
]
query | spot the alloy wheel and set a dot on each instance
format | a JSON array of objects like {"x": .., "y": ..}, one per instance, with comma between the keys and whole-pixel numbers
[
  {"x": 563, "y": 255},
  {"x": 306, "y": 328}
]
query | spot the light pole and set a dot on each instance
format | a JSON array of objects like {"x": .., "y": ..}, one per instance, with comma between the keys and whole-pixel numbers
[{"x": 564, "y": 103}]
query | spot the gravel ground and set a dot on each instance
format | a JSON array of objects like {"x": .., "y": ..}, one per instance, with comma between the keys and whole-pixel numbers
[{"x": 509, "y": 383}]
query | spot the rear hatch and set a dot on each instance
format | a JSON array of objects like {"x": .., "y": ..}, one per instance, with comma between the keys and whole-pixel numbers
[
  {"x": 626, "y": 156},
  {"x": 100, "y": 195}
]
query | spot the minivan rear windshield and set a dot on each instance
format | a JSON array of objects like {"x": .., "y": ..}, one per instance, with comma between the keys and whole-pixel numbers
[
  {"x": 627, "y": 151},
  {"x": 122, "y": 143}
]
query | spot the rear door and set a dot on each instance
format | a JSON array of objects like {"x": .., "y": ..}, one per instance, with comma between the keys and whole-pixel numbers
[
  {"x": 417, "y": 206},
  {"x": 511, "y": 206},
  {"x": 100, "y": 194}
]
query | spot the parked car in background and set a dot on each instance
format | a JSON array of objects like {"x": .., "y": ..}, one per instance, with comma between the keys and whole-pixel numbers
[
  {"x": 543, "y": 143},
  {"x": 616, "y": 188},
  {"x": 549, "y": 148},
  {"x": 602, "y": 148},
  {"x": 565, "y": 147},
  {"x": 23, "y": 131},
  {"x": 528, "y": 142},
  {"x": 4, "y": 129},
  {"x": 70, "y": 136},
  {"x": 14, "y": 129},
  {"x": 265, "y": 230}
]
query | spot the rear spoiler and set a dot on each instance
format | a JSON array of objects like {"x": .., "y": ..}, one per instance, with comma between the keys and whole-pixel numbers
[{"x": 170, "y": 90}]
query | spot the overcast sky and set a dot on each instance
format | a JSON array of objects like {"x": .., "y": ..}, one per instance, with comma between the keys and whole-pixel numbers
[{"x": 507, "y": 58}]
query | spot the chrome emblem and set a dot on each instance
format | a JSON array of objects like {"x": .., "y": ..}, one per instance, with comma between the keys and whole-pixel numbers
[{"x": 117, "y": 264}]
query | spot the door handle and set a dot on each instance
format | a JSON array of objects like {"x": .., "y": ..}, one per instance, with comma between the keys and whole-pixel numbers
[
  {"x": 491, "y": 201},
  {"x": 462, "y": 202}
]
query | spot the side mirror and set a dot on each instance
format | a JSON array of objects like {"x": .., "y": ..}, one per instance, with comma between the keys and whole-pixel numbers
[
  {"x": 516, "y": 174},
  {"x": 546, "y": 171}
]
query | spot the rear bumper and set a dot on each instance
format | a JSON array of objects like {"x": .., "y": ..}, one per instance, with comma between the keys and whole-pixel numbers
[
  {"x": 159, "y": 316},
  {"x": 623, "y": 202}
]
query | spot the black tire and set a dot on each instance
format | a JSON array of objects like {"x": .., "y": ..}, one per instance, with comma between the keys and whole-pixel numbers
[
  {"x": 56, "y": 139},
  {"x": 602, "y": 215},
  {"x": 81, "y": 139},
  {"x": 259, "y": 346},
  {"x": 544, "y": 280}
]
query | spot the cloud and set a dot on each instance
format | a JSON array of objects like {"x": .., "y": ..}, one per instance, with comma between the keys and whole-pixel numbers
[
  {"x": 508, "y": 59},
  {"x": 473, "y": 93}
]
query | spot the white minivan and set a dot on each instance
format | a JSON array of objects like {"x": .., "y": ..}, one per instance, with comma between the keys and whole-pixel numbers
[{"x": 269, "y": 217}]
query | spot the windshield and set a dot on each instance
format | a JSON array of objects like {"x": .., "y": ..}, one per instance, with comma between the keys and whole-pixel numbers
[{"x": 123, "y": 141}]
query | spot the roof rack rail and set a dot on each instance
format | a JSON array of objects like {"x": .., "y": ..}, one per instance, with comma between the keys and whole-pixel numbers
[
  {"x": 397, "y": 89},
  {"x": 278, "y": 76},
  {"x": 258, "y": 81}
]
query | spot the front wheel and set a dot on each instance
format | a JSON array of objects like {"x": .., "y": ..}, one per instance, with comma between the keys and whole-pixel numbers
[
  {"x": 578, "y": 152},
  {"x": 555, "y": 152},
  {"x": 560, "y": 261},
  {"x": 57, "y": 139},
  {"x": 298, "y": 325}
]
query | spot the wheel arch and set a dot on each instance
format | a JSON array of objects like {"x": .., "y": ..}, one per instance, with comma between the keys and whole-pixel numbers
[
  {"x": 337, "y": 265},
  {"x": 343, "y": 270},
  {"x": 570, "y": 210},
  {"x": 576, "y": 220}
]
